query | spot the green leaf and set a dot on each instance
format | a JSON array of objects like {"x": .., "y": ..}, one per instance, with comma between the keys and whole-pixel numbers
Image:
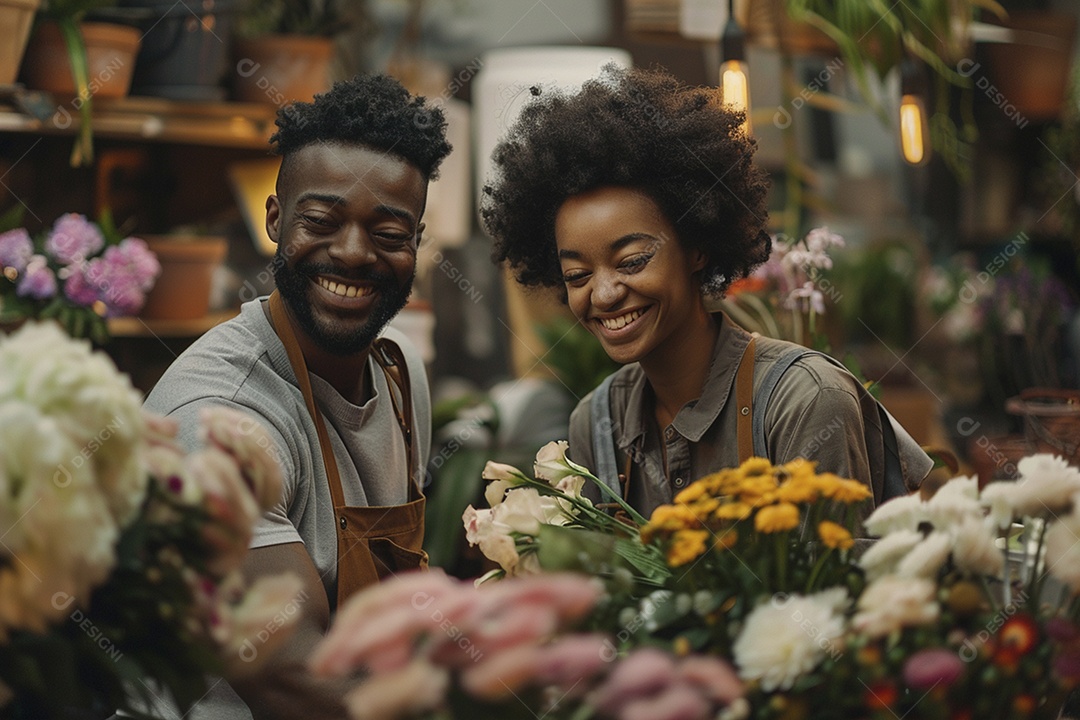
[{"x": 456, "y": 485}]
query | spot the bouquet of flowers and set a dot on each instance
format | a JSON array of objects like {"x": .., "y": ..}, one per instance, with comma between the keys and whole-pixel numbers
[
  {"x": 120, "y": 554},
  {"x": 547, "y": 523},
  {"x": 947, "y": 615},
  {"x": 77, "y": 273}
]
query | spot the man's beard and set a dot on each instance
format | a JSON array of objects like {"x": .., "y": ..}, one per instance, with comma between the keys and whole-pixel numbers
[{"x": 294, "y": 284}]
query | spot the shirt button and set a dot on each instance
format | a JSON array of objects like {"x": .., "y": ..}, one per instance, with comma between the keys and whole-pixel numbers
[
  {"x": 669, "y": 433},
  {"x": 679, "y": 482},
  {"x": 344, "y": 522}
]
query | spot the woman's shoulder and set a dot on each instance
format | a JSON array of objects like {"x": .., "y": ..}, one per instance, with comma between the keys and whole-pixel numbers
[{"x": 792, "y": 363}]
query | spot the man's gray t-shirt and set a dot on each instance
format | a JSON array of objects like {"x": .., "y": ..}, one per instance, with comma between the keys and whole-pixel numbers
[{"x": 242, "y": 364}]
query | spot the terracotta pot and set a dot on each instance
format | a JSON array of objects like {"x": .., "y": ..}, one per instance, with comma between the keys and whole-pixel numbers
[
  {"x": 279, "y": 69},
  {"x": 182, "y": 291},
  {"x": 16, "y": 17},
  {"x": 1051, "y": 420},
  {"x": 1032, "y": 72},
  {"x": 110, "y": 54}
]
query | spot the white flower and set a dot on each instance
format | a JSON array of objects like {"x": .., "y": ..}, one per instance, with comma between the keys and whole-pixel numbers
[
  {"x": 551, "y": 463},
  {"x": 902, "y": 513},
  {"x": 525, "y": 509},
  {"x": 944, "y": 511},
  {"x": 91, "y": 402},
  {"x": 883, "y": 557},
  {"x": 494, "y": 539},
  {"x": 926, "y": 558},
  {"x": 502, "y": 477},
  {"x": 1047, "y": 484},
  {"x": 572, "y": 485},
  {"x": 1063, "y": 550},
  {"x": 59, "y": 534},
  {"x": 1000, "y": 497},
  {"x": 974, "y": 550},
  {"x": 892, "y": 602},
  {"x": 781, "y": 641},
  {"x": 500, "y": 471}
]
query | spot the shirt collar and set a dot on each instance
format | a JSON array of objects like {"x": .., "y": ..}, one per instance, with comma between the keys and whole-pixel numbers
[{"x": 696, "y": 417}]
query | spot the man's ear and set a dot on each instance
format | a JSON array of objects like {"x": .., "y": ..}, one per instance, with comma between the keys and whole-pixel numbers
[{"x": 273, "y": 217}]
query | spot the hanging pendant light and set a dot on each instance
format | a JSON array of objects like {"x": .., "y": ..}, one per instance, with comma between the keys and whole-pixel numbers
[{"x": 734, "y": 72}]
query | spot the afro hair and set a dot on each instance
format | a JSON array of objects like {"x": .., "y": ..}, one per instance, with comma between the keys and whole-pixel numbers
[
  {"x": 370, "y": 110},
  {"x": 630, "y": 128}
]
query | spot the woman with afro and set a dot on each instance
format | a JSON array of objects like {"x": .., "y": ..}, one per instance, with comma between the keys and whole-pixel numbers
[{"x": 639, "y": 199}]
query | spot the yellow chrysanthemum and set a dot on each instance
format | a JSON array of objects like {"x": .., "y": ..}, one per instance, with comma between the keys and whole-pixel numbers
[
  {"x": 686, "y": 546},
  {"x": 758, "y": 485},
  {"x": 776, "y": 518},
  {"x": 733, "y": 511},
  {"x": 704, "y": 508},
  {"x": 695, "y": 490},
  {"x": 726, "y": 539},
  {"x": 798, "y": 490},
  {"x": 756, "y": 466},
  {"x": 799, "y": 469},
  {"x": 845, "y": 491},
  {"x": 834, "y": 535},
  {"x": 667, "y": 519}
]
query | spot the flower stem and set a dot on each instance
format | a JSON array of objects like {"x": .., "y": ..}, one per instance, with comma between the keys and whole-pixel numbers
[{"x": 83, "y": 151}]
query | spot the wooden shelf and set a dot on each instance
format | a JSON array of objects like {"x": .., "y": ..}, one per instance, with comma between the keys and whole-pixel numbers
[
  {"x": 138, "y": 327},
  {"x": 222, "y": 124}
]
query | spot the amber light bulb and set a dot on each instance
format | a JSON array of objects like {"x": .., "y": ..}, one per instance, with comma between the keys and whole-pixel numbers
[{"x": 735, "y": 88}]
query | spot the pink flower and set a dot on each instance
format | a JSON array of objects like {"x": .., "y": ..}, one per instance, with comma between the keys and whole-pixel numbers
[
  {"x": 929, "y": 668},
  {"x": 643, "y": 673},
  {"x": 570, "y": 595},
  {"x": 572, "y": 658},
  {"x": 498, "y": 676},
  {"x": 712, "y": 676},
  {"x": 15, "y": 249},
  {"x": 512, "y": 625},
  {"x": 37, "y": 280},
  {"x": 73, "y": 238},
  {"x": 675, "y": 702},
  {"x": 78, "y": 288},
  {"x": 358, "y": 628},
  {"x": 247, "y": 442},
  {"x": 416, "y": 688}
]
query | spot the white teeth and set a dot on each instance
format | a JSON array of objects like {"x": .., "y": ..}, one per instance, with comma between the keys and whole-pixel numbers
[
  {"x": 344, "y": 290},
  {"x": 621, "y": 321}
]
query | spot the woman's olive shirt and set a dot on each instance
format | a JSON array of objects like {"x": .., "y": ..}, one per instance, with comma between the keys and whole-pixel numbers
[{"x": 818, "y": 412}]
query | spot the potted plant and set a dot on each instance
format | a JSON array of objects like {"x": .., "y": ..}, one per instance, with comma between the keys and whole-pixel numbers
[
  {"x": 284, "y": 48},
  {"x": 1032, "y": 70},
  {"x": 16, "y": 16},
  {"x": 98, "y": 61},
  {"x": 883, "y": 35}
]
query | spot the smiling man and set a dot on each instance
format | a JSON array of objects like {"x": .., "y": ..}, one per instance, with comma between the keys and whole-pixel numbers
[{"x": 344, "y": 398}]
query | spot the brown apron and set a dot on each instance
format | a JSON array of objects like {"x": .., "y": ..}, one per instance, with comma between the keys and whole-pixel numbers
[{"x": 373, "y": 543}]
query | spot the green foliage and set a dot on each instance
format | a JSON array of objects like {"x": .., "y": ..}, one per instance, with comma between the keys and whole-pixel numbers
[
  {"x": 880, "y": 34},
  {"x": 324, "y": 18},
  {"x": 878, "y": 288},
  {"x": 575, "y": 356}
]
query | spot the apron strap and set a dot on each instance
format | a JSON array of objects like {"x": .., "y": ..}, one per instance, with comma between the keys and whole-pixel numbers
[
  {"x": 284, "y": 330},
  {"x": 744, "y": 399},
  {"x": 392, "y": 361}
]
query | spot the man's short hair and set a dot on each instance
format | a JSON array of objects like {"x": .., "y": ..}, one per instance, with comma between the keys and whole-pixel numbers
[{"x": 370, "y": 110}]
